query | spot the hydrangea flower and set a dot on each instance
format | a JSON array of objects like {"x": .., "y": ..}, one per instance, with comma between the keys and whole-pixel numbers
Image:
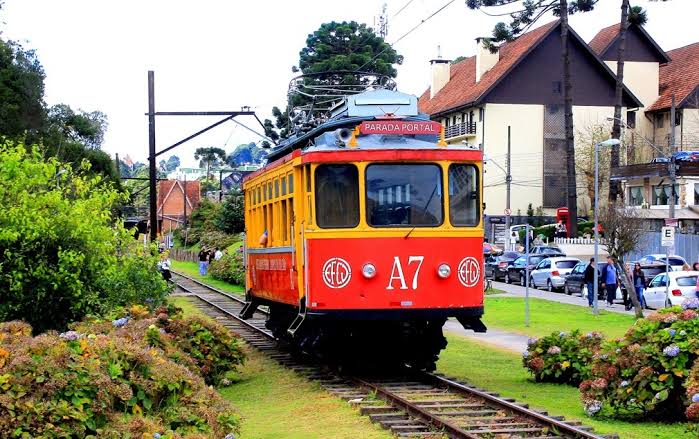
[
  {"x": 562, "y": 334},
  {"x": 525, "y": 354},
  {"x": 624, "y": 383},
  {"x": 229, "y": 436},
  {"x": 162, "y": 331},
  {"x": 593, "y": 407},
  {"x": 589, "y": 335},
  {"x": 531, "y": 341},
  {"x": 671, "y": 351},
  {"x": 554, "y": 350},
  {"x": 70, "y": 335},
  {"x": 683, "y": 333},
  {"x": 671, "y": 331},
  {"x": 695, "y": 397},
  {"x": 156, "y": 435},
  {"x": 604, "y": 356},
  {"x": 618, "y": 350},
  {"x": 692, "y": 303},
  {"x": 226, "y": 382},
  {"x": 118, "y": 323}
]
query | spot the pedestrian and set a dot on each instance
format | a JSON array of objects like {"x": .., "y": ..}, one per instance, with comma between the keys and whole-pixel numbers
[
  {"x": 610, "y": 279},
  {"x": 639, "y": 283},
  {"x": 557, "y": 232},
  {"x": 695, "y": 266},
  {"x": 164, "y": 267},
  {"x": 564, "y": 230},
  {"x": 203, "y": 261},
  {"x": 218, "y": 254},
  {"x": 210, "y": 256},
  {"x": 589, "y": 279}
]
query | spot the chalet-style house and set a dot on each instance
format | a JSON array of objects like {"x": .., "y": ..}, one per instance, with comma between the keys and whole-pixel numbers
[
  {"x": 173, "y": 204},
  {"x": 520, "y": 87}
]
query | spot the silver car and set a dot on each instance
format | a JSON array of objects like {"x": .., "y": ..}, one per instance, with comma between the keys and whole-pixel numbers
[{"x": 551, "y": 272}]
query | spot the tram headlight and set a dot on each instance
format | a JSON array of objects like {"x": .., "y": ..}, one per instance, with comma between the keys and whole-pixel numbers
[
  {"x": 369, "y": 270},
  {"x": 443, "y": 271}
]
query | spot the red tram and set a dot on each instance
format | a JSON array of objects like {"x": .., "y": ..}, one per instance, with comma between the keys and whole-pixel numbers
[{"x": 365, "y": 232}]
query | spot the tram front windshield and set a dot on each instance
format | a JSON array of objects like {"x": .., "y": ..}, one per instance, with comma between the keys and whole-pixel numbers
[{"x": 404, "y": 195}]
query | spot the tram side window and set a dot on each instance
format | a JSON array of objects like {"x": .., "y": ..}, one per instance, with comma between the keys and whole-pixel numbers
[
  {"x": 337, "y": 196},
  {"x": 463, "y": 195}
]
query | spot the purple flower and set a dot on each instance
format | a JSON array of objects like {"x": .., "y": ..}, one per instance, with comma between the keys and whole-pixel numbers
[
  {"x": 118, "y": 323},
  {"x": 692, "y": 303},
  {"x": 531, "y": 341},
  {"x": 525, "y": 354},
  {"x": 554, "y": 350},
  {"x": 671, "y": 331},
  {"x": 70, "y": 335},
  {"x": 162, "y": 331},
  {"x": 671, "y": 351},
  {"x": 624, "y": 383},
  {"x": 695, "y": 397},
  {"x": 562, "y": 334},
  {"x": 593, "y": 407},
  {"x": 156, "y": 435},
  {"x": 229, "y": 436}
]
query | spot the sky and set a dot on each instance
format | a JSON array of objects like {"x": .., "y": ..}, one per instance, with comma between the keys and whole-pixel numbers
[{"x": 216, "y": 55}]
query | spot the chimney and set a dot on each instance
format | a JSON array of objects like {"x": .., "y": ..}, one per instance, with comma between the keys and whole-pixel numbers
[
  {"x": 484, "y": 59},
  {"x": 441, "y": 71}
]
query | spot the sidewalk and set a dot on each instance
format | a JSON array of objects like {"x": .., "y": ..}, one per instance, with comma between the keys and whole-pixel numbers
[{"x": 506, "y": 340}]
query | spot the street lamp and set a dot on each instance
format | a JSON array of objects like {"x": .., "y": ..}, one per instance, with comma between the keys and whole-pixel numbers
[{"x": 606, "y": 143}]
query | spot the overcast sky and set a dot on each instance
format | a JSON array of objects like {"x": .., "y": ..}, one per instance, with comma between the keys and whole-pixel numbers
[{"x": 213, "y": 55}]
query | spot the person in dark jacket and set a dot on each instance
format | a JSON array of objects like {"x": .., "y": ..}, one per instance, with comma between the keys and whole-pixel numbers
[
  {"x": 589, "y": 279},
  {"x": 203, "y": 261},
  {"x": 610, "y": 280},
  {"x": 639, "y": 283}
]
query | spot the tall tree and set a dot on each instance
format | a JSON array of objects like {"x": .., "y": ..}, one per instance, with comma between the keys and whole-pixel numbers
[
  {"x": 173, "y": 162},
  {"x": 21, "y": 91},
  {"x": 337, "y": 47},
  {"x": 638, "y": 16},
  {"x": 88, "y": 129},
  {"x": 521, "y": 20},
  {"x": 246, "y": 153},
  {"x": 210, "y": 157}
]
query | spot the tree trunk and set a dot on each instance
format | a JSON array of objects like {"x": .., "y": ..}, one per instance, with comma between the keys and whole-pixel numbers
[
  {"x": 615, "y": 186},
  {"x": 572, "y": 195},
  {"x": 630, "y": 289}
]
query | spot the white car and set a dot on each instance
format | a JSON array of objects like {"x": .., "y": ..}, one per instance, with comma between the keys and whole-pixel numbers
[
  {"x": 551, "y": 272},
  {"x": 682, "y": 286},
  {"x": 676, "y": 261}
]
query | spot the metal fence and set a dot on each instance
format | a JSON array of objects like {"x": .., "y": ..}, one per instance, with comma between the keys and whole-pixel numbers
[{"x": 686, "y": 245}]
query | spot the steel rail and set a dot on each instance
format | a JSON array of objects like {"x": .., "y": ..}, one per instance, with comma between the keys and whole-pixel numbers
[
  {"x": 221, "y": 292},
  {"x": 561, "y": 427}
]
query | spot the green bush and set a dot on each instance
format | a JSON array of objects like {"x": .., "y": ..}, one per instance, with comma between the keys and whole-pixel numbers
[
  {"x": 562, "y": 357},
  {"x": 229, "y": 268},
  {"x": 231, "y": 217},
  {"x": 114, "y": 379},
  {"x": 213, "y": 238},
  {"x": 645, "y": 374},
  {"x": 62, "y": 254}
]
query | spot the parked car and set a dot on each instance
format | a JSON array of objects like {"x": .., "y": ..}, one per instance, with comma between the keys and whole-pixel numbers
[
  {"x": 516, "y": 270},
  {"x": 687, "y": 156},
  {"x": 682, "y": 285},
  {"x": 575, "y": 281},
  {"x": 496, "y": 266},
  {"x": 676, "y": 261},
  {"x": 551, "y": 272},
  {"x": 546, "y": 250}
]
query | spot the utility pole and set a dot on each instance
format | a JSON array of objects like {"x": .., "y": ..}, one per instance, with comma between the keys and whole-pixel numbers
[
  {"x": 185, "y": 210},
  {"x": 151, "y": 157},
  {"x": 118, "y": 166},
  {"x": 508, "y": 181},
  {"x": 672, "y": 169}
]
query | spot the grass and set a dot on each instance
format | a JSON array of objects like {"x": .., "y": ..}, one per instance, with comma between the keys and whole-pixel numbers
[
  {"x": 503, "y": 372},
  {"x": 276, "y": 403},
  {"x": 191, "y": 269},
  {"x": 507, "y": 314}
]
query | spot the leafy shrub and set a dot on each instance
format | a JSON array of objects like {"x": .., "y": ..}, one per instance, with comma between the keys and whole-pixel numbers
[
  {"x": 229, "y": 268},
  {"x": 650, "y": 372},
  {"x": 562, "y": 357},
  {"x": 231, "y": 217},
  {"x": 62, "y": 255},
  {"x": 214, "y": 238},
  {"x": 201, "y": 221},
  {"x": 122, "y": 378}
]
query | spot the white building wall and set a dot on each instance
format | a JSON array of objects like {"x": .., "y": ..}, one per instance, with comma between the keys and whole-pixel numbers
[
  {"x": 527, "y": 137},
  {"x": 690, "y": 130},
  {"x": 643, "y": 79}
]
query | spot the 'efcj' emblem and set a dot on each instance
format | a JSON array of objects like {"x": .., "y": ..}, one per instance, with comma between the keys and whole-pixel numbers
[
  {"x": 469, "y": 271},
  {"x": 336, "y": 273}
]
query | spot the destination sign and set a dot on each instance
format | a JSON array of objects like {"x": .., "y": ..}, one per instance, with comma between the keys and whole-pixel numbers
[{"x": 400, "y": 127}]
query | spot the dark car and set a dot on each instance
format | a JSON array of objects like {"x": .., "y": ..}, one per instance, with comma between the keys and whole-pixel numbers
[
  {"x": 575, "y": 281},
  {"x": 515, "y": 271},
  {"x": 496, "y": 266},
  {"x": 550, "y": 250}
]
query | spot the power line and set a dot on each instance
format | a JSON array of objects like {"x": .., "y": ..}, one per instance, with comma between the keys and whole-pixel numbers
[{"x": 403, "y": 8}]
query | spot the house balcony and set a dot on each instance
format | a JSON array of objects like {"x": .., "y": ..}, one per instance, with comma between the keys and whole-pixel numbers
[{"x": 462, "y": 129}]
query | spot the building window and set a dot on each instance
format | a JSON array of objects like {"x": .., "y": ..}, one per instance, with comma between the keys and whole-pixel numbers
[
  {"x": 660, "y": 120},
  {"x": 636, "y": 196},
  {"x": 631, "y": 119},
  {"x": 662, "y": 194}
]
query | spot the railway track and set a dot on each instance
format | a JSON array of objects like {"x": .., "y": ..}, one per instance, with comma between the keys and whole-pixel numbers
[{"x": 415, "y": 404}]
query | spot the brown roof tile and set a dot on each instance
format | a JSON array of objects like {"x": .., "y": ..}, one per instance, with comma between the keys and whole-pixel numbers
[
  {"x": 603, "y": 38},
  {"x": 193, "y": 191},
  {"x": 462, "y": 88},
  {"x": 679, "y": 77}
]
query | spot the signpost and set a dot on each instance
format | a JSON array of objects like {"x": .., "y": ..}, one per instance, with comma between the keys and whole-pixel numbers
[{"x": 667, "y": 240}]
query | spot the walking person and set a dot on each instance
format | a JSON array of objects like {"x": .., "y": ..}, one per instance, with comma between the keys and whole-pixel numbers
[
  {"x": 203, "y": 261},
  {"x": 589, "y": 279},
  {"x": 610, "y": 280},
  {"x": 164, "y": 267},
  {"x": 218, "y": 254},
  {"x": 639, "y": 283}
]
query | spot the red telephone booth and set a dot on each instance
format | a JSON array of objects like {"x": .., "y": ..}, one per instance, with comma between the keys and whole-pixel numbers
[{"x": 562, "y": 215}]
